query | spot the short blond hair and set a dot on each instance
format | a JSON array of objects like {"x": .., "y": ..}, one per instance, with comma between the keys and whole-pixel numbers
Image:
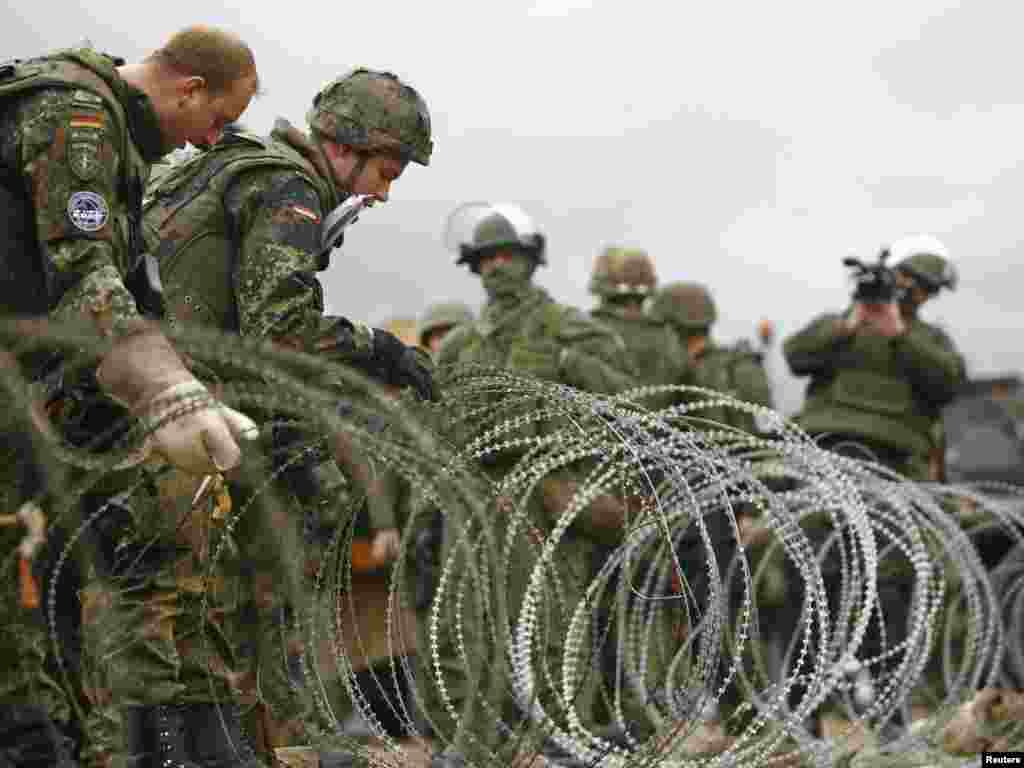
[{"x": 218, "y": 57}]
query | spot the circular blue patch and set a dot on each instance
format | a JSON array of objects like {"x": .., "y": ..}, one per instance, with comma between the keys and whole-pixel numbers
[{"x": 88, "y": 211}]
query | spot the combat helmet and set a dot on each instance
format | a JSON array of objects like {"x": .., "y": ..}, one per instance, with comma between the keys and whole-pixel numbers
[
  {"x": 442, "y": 315},
  {"x": 374, "y": 111},
  {"x": 476, "y": 229},
  {"x": 926, "y": 259},
  {"x": 623, "y": 272},
  {"x": 688, "y": 306}
]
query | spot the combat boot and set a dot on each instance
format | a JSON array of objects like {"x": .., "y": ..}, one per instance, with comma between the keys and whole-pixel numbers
[
  {"x": 31, "y": 739},
  {"x": 155, "y": 737},
  {"x": 217, "y": 738}
]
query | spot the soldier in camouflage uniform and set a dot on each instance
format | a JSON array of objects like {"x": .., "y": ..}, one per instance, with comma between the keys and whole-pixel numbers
[
  {"x": 624, "y": 279},
  {"x": 79, "y": 131},
  {"x": 735, "y": 370},
  {"x": 522, "y": 329},
  {"x": 879, "y": 377},
  {"x": 237, "y": 232},
  {"x": 438, "y": 320}
]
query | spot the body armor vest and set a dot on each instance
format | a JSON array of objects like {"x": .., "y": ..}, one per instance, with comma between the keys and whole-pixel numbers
[
  {"x": 189, "y": 230},
  {"x": 27, "y": 285},
  {"x": 870, "y": 396}
]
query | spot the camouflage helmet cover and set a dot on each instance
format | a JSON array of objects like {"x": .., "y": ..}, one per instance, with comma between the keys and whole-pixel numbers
[
  {"x": 686, "y": 305},
  {"x": 926, "y": 259},
  {"x": 479, "y": 228},
  {"x": 374, "y": 112},
  {"x": 445, "y": 314},
  {"x": 622, "y": 272}
]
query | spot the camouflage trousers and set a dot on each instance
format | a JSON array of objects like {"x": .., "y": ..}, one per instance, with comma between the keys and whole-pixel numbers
[{"x": 24, "y": 637}]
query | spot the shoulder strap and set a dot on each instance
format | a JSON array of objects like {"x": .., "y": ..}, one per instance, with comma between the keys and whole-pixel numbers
[
  {"x": 69, "y": 70},
  {"x": 236, "y": 153}
]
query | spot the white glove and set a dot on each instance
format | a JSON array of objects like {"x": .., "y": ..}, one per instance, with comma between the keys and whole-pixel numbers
[
  {"x": 194, "y": 431},
  {"x": 191, "y": 429}
]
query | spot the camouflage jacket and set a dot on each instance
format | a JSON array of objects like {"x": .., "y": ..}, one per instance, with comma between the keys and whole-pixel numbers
[
  {"x": 76, "y": 143},
  {"x": 737, "y": 371},
  {"x": 540, "y": 337},
  {"x": 888, "y": 391},
  {"x": 655, "y": 353},
  {"x": 236, "y": 231}
]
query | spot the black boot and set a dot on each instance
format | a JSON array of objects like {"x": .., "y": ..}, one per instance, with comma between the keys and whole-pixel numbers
[
  {"x": 155, "y": 737},
  {"x": 217, "y": 737},
  {"x": 30, "y": 739}
]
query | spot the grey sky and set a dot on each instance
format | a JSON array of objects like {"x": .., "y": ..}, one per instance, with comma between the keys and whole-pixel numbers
[{"x": 748, "y": 145}]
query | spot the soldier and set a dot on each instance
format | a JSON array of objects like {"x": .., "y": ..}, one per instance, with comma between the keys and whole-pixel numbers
[
  {"x": 438, "y": 320},
  {"x": 735, "y": 370},
  {"x": 879, "y": 377},
  {"x": 623, "y": 279},
  {"x": 79, "y": 131},
  {"x": 241, "y": 252},
  {"x": 522, "y": 329}
]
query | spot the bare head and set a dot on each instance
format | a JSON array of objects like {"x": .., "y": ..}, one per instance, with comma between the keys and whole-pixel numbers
[{"x": 201, "y": 80}]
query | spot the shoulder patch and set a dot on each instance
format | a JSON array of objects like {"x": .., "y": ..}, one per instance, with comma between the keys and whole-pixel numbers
[
  {"x": 85, "y": 98},
  {"x": 84, "y": 159},
  {"x": 88, "y": 211}
]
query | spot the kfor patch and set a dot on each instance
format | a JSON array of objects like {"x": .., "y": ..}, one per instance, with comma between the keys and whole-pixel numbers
[{"x": 88, "y": 211}]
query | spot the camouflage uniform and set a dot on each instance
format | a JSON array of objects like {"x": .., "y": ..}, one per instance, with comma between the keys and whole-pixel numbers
[
  {"x": 736, "y": 371},
  {"x": 522, "y": 329},
  {"x": 623, "y": 279},
  {"x": 32, "y": 702},
  {"x": 441, "y": 319},
  {"x": 879, "y": 398},
  {"x": 75, "y": 146},
  {"x": 237, "y": 233}
]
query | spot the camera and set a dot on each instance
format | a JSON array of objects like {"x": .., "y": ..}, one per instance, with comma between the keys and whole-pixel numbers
[{"x": 874, "y": 283}]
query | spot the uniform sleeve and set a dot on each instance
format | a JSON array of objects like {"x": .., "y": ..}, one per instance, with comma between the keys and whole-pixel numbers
[
  {"x": 451, "y": 346},
  {"x": 596, "y": 359},
  {"x": 278, "y": 293},
  {"x": 932, "y": 362},
  {"x": 279, "y": 296},
  {"x": 69, "y": 153},
  {"x": 812, "y": 350}
]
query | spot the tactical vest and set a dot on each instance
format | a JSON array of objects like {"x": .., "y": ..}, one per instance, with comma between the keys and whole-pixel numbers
[
  {"x": 189, "y": 231},
  {"x": 870, "y": 396},
  {"x": 78, "y": 70}
]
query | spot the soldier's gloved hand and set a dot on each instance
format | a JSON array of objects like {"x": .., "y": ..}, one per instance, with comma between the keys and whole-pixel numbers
[
  {"x": 401, "y": 366},
  {"x": 192, "y": 430}
]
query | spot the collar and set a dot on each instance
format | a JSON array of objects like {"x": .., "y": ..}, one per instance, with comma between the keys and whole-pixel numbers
[
  {"x": 143, "y": 123},
  {"x": 313, "y": 153}
]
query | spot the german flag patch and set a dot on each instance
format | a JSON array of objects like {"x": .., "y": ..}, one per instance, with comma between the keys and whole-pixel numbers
[
  {"x": 92, "y": 120},
  {"x": 305, "y": 213}
]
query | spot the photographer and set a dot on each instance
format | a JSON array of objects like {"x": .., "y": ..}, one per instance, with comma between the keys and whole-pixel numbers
[{"x": 879, "y": 375}]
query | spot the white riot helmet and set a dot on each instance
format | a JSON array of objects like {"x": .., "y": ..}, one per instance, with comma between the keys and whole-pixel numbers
[
  {"x": 926, "y": 259},
  {"x": 476, "y": 229}
]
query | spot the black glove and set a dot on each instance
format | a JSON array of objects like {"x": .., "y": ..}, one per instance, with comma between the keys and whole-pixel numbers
[{"x": 401, "y": 366}]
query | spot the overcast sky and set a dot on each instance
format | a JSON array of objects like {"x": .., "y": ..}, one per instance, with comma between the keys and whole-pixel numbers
[{"x": 748, "y": 145}]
